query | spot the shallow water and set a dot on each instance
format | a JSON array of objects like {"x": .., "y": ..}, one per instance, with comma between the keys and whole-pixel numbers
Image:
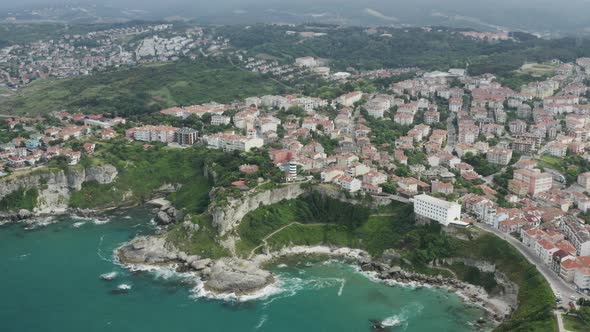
[{"x": 50, "y": 281}]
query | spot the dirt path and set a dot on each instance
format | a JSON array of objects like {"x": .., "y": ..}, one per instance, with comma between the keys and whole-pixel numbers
[{"x": 264, "y": 243}]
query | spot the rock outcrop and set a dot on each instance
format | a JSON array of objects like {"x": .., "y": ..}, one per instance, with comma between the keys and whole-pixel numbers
[
  {"x": 55, "y": 186},
  {"x": 226, "y": 275},
  {"x": 238, "y": 276}
]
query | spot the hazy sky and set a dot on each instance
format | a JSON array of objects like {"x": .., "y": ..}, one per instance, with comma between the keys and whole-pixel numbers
[{"x": 572, "y": 14}]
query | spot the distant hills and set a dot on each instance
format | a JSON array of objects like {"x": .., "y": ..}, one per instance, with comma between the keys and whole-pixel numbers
[{"x": 543, "y": 17}]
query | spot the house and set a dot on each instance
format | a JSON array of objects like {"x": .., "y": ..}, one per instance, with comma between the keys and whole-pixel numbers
[
  {"x": 441, "y": 187},
  {"x": 349, "y": 184},
  {"x": 375, "y": 178},
  {"x": 371, "y": 189},
  {"x": 89, "y": 147}
]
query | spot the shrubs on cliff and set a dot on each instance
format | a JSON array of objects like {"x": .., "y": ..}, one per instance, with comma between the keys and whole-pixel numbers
[{"x": 20, "y": 199}]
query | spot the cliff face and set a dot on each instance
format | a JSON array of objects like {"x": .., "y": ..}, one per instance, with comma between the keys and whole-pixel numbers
[
  {"x": 227, "y": 217},
  {"x": 55, "y": 187}
]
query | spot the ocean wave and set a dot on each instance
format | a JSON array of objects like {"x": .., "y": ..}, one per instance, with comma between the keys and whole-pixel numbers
[
  {"x": 78, "y": 224},
  {"x": 95, "y": 221},
  {"x": 199, "y": 291},
  {"x": 341, "y": 287},
  {"x": 401, "y": 319},
  {"x": 99, "y": 252},
  {"x": 40, "y": 222},
  {"x": 261, "y": 322}
]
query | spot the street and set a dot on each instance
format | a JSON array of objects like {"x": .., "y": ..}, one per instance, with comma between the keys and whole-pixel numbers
[{"x": 557, "y": 284}]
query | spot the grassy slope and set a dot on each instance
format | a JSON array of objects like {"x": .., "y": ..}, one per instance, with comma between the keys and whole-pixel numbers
[
  {"x": 141, "y": 89},
  {"x": 142, "y": 172},
  {"x": 574, "y": 324}
]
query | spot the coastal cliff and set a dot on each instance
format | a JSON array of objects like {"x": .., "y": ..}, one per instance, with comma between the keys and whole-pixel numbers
[
  {"x": 55, "y": 186},
  {"x": 225, "y": 218}
]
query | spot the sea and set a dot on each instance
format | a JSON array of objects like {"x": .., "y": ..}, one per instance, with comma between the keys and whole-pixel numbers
[{"x": 50, "y": 280}]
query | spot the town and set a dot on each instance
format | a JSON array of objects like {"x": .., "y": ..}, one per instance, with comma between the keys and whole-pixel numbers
[
  {"x": 95, "y": 51},
  {"x": 464, "y": 149}
]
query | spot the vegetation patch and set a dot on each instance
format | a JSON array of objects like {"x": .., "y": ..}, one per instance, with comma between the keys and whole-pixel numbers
[{"x": 20, "y": 199}]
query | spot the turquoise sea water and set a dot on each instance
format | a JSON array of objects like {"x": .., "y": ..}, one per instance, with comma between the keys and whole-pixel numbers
[{"x": 49, "y": 281}]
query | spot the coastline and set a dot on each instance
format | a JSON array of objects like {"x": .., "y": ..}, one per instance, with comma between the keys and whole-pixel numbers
[
  {"x": 199, "y": 270},
  {"x": 496, "y": 308}
]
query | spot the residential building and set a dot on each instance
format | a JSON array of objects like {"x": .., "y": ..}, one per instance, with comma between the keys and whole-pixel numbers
[
  {"x": 441, "y": 187},
  {"x": 164, "y": 134},
  {"x": 584, "y": 180},
  {"x": 582, "y": 278},
  {"x": 186, "y": 136},
  {"x": 499, "y": 156},
  {"x": 537, "y": 181},
  {"x": 229, "y": 141},
  {"x": 577, "y": 234},
  {"x": 218, "y": 120},
  {"x": 349, "y": 184}
]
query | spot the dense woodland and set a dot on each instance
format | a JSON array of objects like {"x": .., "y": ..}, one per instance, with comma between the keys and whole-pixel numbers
[{"x": 442, "y": 48}]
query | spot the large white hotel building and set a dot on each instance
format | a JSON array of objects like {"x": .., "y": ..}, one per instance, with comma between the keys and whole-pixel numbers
[{"x": 437, "y": 209}]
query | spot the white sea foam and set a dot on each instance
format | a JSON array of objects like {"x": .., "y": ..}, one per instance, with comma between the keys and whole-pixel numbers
[
  {"x": 78, "y": 224},
  {"x": 261, "y": 322},
  {"x": 124, "y": 287},
  {"x": 401, "y": 319},
  {"x": 127, "y": 217},
  {"x": 341, "y": 287},
  {"x": 95, "y": 221},
  {"x": 282, "y": 266},
  {"x": 199, "y": 291},
  {"x": 101, "y": 221},
  {"x": 40, "y": 222},
  {"x": 109, "y": 276}
]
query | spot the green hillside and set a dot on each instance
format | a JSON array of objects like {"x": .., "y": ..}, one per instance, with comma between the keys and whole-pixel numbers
[{"x": 141, "y": 89}]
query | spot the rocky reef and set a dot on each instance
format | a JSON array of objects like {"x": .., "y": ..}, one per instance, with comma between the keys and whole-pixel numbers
[{"x": 224, "y": 276}]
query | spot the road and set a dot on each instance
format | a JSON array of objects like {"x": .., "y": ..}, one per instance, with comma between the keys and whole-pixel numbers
[
  {"x": 393, "y": 197},
  {"x": 557, "y": 284},
  {"x": 560, "y": 321}
]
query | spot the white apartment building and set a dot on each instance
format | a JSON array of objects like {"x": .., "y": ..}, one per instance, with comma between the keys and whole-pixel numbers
[
  {"x": 218, "y": 120},
  {"x": 350, "y": 184},
  {"x": 577, "y": 234},
  {"x": 437, "y": 209},
  {"x": 499, "y": 156},
  {"x": 231, "y": 142}
]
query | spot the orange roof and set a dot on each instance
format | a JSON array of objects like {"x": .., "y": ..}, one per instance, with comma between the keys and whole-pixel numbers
[{"x": 570, "y": 264}]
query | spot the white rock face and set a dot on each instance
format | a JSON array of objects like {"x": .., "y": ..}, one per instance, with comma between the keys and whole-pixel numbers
[
  {"x": 55, "y": 187},
  {"x": 226, "y": 218}
]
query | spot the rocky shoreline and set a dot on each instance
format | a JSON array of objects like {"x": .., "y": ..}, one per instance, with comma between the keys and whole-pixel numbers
[{"x": 240, "y": 277}]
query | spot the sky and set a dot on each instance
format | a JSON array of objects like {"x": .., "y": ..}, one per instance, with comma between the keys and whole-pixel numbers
[{"x": 523, "y": 14}]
